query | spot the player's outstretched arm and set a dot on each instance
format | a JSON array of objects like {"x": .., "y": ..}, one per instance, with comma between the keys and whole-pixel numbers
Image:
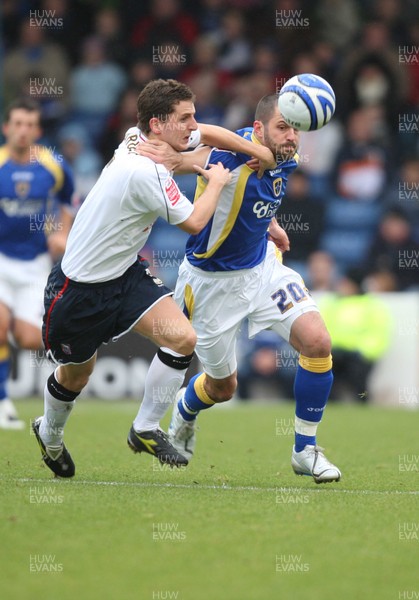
[
  {"x": 204, "y": 207},
  {"x": 180, "y": 162},
  {"x": 213, "y": 135}
]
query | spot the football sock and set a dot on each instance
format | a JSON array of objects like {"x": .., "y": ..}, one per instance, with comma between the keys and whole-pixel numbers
[
  {"x": 164, "y": 378},
  {"x": 4, "y": 370},
  {"x": 195, "y": 398},
  {"x": 58, "y": 404},
  {"x": 312, "y": 386}
]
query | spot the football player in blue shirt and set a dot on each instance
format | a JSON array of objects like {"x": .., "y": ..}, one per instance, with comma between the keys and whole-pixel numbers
[
  {"x": 232, "y": 271},
  {"x": 36, "y": 189}
]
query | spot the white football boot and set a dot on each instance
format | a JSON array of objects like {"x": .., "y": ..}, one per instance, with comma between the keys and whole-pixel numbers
[
  {"x": 312, "y": 461},
  {"x": 181, "y": 433},
  {"x": 8, "y": 416}
]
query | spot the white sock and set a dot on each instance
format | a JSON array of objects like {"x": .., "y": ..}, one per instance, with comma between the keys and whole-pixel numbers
[
  {"x": 56, "y": 413},
  {"x": 161, "y": 386}
]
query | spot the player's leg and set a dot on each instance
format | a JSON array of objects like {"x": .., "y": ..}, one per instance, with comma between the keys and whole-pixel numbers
[
  {"x": 307, "y": 333},
  {"x": 201, "y": 393},
  {"x": 8, "y": 413},
  {"x": 216, "y": 384},
  {"x": 60, "y": 393},
  {"x": 24, "y": 282},
  {"x": 216, "y": 307},
  {"x": 287, "y": 308},
  {"x": 314, "y": 377},
  {"x": 166, "y": 326},
  {"x": 71, "y": 338}
]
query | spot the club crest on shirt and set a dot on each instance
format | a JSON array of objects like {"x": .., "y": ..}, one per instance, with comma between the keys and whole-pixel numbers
[
  {"x": 66, "y": 348},
  {"x": 277, "y": 185},
  {"x": 22, "y": 189},
  {"x": 172, "y": 191}
]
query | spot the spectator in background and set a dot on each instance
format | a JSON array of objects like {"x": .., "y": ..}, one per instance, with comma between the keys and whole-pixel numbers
[
  {"x": 371, "y": 74},
  {"x": 208, "y": 108},
  {"x": 338, "y": 22},
  {"x": 210, "y": 15},
  {"x": 38, "y": 69},
  {"x": 141, "y": 71},
  {"x": 404, "y": 192},
  {"x": 204, "y": 59},
  {"x": 70, "y": 23},
  {"x": 120, "y": 120},
  {"x": 11, "y": 20},
  {"x": 96, "y": 85},
  {"x": 410, "y": 58},
  {"x": 321, "y": 271},
  {"x": 234, "y": 49},
  {"x": 363, "y": 163},
  {"x": 166, "y": 21},
  {"x": 246, "y": 90},
  {"x": 395, "y": 251},
  {"x": 302, "y": 218},
  {"x": 108, "y": 27},
  {"x": 393, "y": 14},
  {"x": 360, "y": 328},
  {"x": 265, "y": 359},
  {"x": 84, "y": 161},
  {"x": 318, "y": 166}
]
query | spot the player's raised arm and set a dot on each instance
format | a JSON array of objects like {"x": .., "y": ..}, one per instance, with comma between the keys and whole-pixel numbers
[
  {"x": 180, "y": 162},
  {"x": 213, "y": 135},
  {"x": 204, "y": 206}
]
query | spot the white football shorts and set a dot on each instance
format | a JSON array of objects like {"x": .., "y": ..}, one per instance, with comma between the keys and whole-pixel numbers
[
  {"x": 270, "y": 295},
  {"x": 22, "y": 284}
]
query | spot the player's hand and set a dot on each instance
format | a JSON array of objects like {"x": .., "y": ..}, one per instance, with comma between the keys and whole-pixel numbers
[
  {"x": 160, "y": 152},
  {"x": 260, "y": 165},
  {"x": 216, "y": 173},
  {"x": 278, "y": 236}
]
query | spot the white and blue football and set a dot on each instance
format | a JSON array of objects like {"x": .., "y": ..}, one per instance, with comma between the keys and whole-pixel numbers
[{"x": 307, "y": 102}]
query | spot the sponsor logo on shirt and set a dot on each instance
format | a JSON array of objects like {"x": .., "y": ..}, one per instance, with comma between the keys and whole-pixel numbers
[{"x": 172, "y": 191}]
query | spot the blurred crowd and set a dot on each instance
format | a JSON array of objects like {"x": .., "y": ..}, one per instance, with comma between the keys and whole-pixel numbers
[
  {"x": 356, "y": 197},
  {"x": 354, "y": 203}
]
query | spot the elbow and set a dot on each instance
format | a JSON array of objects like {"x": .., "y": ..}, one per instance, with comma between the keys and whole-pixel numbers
[{"x": 193, "y": 226}]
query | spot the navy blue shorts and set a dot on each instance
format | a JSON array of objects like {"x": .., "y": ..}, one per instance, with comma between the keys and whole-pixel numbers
[{"x": 79, "y": 317}]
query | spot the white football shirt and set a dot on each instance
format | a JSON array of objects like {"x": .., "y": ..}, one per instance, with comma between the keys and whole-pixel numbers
[{"x": 116, "y": 218}]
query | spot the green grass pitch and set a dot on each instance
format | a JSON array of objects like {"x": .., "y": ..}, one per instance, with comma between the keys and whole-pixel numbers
[{"x": 237, "y": 524}]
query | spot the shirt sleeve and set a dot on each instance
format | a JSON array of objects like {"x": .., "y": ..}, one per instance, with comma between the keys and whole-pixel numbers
[
  {"x": 177, "y": 206},
  {"x": 161, "y": 195}
]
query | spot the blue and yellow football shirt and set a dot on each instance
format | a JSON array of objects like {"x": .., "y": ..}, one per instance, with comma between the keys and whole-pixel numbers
[
  {"x": 29, "y": 194},
  {"x": 236, "y": 236}
]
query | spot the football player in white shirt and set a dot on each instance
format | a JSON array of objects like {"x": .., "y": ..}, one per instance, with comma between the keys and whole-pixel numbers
[{"x": 102, "y": 289}]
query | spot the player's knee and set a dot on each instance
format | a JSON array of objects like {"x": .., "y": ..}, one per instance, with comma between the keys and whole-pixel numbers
[
  {"x": 186, "y": 343},
  {"x": 317, "y": 345},
  {"x": 223, "y": 390},
  {"x": 76, "y": 382}
]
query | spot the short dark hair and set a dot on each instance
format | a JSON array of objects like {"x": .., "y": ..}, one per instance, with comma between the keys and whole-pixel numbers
[
  {"x": 21, "y": 103},
  {"x": 158, "y": 99},
  {"x": 266, "y": 108}
]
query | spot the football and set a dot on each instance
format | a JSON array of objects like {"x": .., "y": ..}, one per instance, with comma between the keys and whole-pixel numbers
[{"x": 307, "y": 102}]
